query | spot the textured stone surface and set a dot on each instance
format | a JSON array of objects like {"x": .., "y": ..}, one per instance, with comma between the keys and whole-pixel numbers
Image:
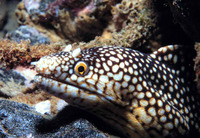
[
  {"x": 20, "y": 120},
  {"x": 26, "y": 32},
  {"x": 8, "y": 20}
]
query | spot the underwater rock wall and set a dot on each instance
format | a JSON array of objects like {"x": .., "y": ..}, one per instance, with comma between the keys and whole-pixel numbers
[{"x": 124, "y": 23}]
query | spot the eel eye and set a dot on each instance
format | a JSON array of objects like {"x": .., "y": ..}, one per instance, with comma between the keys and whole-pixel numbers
[{"x": 81, "y": 68}]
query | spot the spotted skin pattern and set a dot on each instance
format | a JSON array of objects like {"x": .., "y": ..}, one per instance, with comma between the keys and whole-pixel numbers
[{"x": 139, "y": 95}]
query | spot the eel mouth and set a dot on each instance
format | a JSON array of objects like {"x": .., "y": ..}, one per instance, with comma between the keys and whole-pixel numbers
[{"x": 39, "y": 80}]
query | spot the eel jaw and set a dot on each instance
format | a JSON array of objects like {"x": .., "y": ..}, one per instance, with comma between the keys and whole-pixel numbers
[{"x": 70, "y": 92}]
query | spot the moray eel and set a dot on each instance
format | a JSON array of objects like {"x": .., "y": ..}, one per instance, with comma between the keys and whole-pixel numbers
[{"x": 140, "y": 95}]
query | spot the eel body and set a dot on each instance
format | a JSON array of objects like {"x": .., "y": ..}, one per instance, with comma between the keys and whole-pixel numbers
[{"x": 139, "y": 95}]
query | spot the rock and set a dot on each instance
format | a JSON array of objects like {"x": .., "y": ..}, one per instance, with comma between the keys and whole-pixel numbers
[
  {"x": 7, "y": 17},
  {"x": 3, "y": 13},
  {"x": 25, "y": 32},
  {"x": 20, "y": 120},
  {"x": 17, "y": 119},
  {"x": 61, "y": 104},
  {"x": 11, "y": 83},
  {"x": 43, "y": 107}
]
